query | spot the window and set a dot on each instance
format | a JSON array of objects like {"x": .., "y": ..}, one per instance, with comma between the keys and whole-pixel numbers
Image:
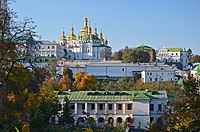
[
  {"x": 129, "y": 107},
  {"x": 52, "y": 47},
  {"x": 147, "y": 73},
  {"x": 150, "y": 79},
  {"x": 150, "y": 73},
  {"x": 110, "y": 106},
  {"x": 151, "y": 107},
  {"x": 83, "y": 106},
  {"x": 48, "y": 47},
  {"x": 156, "y": 79},
  {"x": 119, "y": 106},
  {"x": 72, "y": 106},
  {"x": 92, "y": 106},
  {"x": 100, "y": 106},
  {"x": 122, "y": 69},
  {"x": 159, "y": 107}
]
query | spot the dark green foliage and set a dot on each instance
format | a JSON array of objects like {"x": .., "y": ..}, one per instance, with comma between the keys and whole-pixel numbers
[
  {"x": 68, "y": 72},
  {"x": 135, "y": 55},
  {"x": 67, "y": 117},
  {"x": 152, "y": 127}
]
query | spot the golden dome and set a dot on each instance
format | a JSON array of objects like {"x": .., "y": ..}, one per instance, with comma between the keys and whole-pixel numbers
[
  {"x": 95, "y": 32},
  {"x": 72, "y": 36},
  {"x": 63, "y": 37},
  {"x": 84, "y": 30},
  {"x": 101, "y": 37}
]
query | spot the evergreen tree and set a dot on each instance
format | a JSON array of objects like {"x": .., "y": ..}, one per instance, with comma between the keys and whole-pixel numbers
[{"x": 67, "y": 117}]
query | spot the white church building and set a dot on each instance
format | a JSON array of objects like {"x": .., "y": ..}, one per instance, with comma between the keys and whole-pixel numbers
[
  {"x": 172, "y": 55},
  {"x": 88, "y": 45}
]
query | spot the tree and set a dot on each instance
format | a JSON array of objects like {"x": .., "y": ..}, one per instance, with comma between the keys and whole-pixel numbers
[
  {"x": 142, "y": 56},
  {"x": 65, "y": 83},
  {"x": 117, "y": 55},
  {"x": 47, "y": 105},
  {"x": 195, "y": 59},
  {"x": 84, "y": 81},
  {"x": 68, "y": 72},
  {"x": 67, "y": 117},
  {"x": 139, "y": 125},
  {"x": 135, "y": 55},
  {"x": 186, "y": 114},
  {"x": 106, "y": 53},
  {"x": 51, "y": 66},
  {"x": 127, "y": 55},
  {"x": 189, "y": 52},
  {"x": 152, "y": 127}
]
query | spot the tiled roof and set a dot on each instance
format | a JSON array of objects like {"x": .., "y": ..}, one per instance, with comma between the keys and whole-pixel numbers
[
  {"x": 112, "y": 95},
  {"x": 175, "y": 49}
]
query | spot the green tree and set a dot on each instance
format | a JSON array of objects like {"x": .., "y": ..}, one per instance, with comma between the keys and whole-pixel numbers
[
  {"x": 51, "y": 66},
  {"x": 47, "y": 104},
  {"x": 186, "y": 114},
  {"x": 67, "y": 117},
  {"x": 139, "y": 125},
  {"x": 127, "y": 55},
  {"x": 152, "y": 127},
  {"x": 68, "y": 72}
]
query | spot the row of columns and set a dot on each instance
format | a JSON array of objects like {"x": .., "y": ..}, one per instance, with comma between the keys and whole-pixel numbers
[{"x": 106, "y": 108}]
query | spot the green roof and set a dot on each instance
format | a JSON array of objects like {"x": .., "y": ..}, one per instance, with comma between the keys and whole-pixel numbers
[
  {"x": 198, "y": 70},
  {"x": 102, "y": 45},
  {"x": 145, "y": 47},
  {"x": 87, "y": 37},
  {"x": 171, "y": 96},
  {"x": 174, "y": 49},
  {"x": 112, "y": 95}
]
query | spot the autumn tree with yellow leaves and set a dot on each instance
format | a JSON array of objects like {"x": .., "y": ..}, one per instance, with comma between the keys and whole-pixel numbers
[{"x": 84, "y": 81}]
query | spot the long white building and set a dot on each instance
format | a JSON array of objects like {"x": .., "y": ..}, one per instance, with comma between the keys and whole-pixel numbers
[
  {"x": 149, "y": 72},
  {"x": 116, "y": 107}
]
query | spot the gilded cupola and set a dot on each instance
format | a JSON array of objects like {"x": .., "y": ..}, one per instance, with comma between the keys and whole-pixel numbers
[
  {"x": 84, "y": 30},
  {"x": 63, "y": 37},
  {"x": 95, "y": 32},
  {"x": 72, "y": 36},
  {"x": 101, "y": 38}
]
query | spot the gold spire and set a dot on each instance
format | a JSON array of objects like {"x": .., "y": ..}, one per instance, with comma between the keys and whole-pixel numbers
[
  {"x": 63, "y": 37},
  {"x": 84, "y": 30},
  {"x": 106, "y": 41},
  {"x": 85, "y": 21},
  {"x": 72, "y": 36},
  {"x": 95, "y": 32},
  {"x": 89, "y": 29},
  {"x": 101, "y": 37}
]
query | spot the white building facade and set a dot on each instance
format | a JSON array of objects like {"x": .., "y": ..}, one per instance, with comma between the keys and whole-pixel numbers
[
  {"x": 3, "y": 4},
  {"x": 116, "y": 107},
  {"x": 148, "y": 72},
  {"x": 172, "y": 55},
  {"x": 157, "y": 74},
  {"x": 47, "y": 48},
  {"x": 87, "y": 46}
]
